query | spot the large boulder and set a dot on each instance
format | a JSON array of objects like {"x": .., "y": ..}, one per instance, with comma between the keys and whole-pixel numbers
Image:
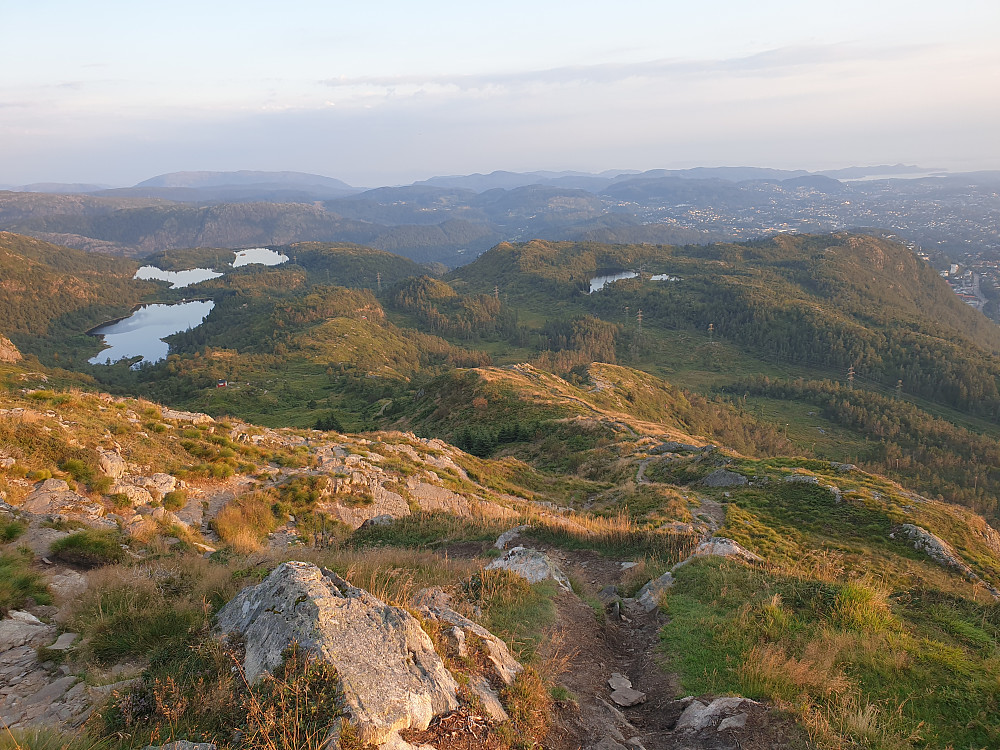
[
  {"x": 391, "y": 676},
  {"x": 111, "y": 463},
  {"x": 532, "y": 565},
  {"x": 724, "y": 478}
]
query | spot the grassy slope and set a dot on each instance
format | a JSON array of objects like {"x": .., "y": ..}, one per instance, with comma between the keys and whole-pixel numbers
[{"x": 864, "y": 639}]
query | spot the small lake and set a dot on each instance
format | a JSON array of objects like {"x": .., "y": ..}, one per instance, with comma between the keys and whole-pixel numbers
[
  {"x": 142, "y": 333},
  {"x": 177, "y": 279},
  {"x": 260, "y": 255},
  {"x": 599, "y": 282}
]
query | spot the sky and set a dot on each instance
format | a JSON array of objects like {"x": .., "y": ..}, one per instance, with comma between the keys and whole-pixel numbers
[{"x": 379, "y": 92}]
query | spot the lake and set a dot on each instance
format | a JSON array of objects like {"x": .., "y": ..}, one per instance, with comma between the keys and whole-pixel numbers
[
  {"x": 177, "y": 279},
  {"x": 599, "y": 282},
  {"x": 261, "y": 255},
  {"x": 142, "y": 332}
]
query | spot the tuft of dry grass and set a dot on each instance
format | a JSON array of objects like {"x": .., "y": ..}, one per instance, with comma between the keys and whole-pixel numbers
[
  {"x": 245, "y": 522},
  {"x": 769, "y": 669}
]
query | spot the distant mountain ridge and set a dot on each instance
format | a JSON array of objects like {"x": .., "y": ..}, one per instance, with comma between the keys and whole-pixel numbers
[{"x": 203, "y": 179}]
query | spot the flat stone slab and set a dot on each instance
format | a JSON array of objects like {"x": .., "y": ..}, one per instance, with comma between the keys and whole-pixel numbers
[
  {"x": 64, "y": 642},
  {"x": 626, "y": 697}
]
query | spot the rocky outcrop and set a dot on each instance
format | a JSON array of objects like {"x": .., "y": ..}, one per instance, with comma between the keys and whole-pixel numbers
[
  {"x": 532, "y": 565},
  {"x": 940, "y": 552},
  {"x": 186, "y": 416},
  {"x": 9, "y": 352},
  {"x": 724, "y": 478},
  {"x": 53, "y": 497},
  {"x": 434, "y": 499},
  {"x": 672, "y": 446},
  {"x": 381, "y": 502},
  {"x": 719, "y": 546},
  {"x": 801, "y": 479},
  {"x": 31, "y": 695},
  {"x": 649, "y": 595},
  {"x": 391, "y": 676},
  {"x": 503, "y": 664},
  {"x": 467, "y": 637}
]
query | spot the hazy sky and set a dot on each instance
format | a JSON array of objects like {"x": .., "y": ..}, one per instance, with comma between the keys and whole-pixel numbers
[{"x": 389, "y": 92}]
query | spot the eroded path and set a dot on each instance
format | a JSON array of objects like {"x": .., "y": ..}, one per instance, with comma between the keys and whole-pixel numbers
[{"x": 592, "y": 641}]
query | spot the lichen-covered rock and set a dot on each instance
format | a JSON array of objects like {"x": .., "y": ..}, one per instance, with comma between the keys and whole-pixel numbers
[
  {"x": 136, "y": 495},
  {"x": 434, "y": 499},
  {"x": 532, "y": 565},
  {"x": 505, "y": 666},
  {"x": 383, "y": 502},
  {"x": 724, "y": 478},
  {"x": 802, "y": 479},
  {"x": 186, "y": 416},
  {"x": 672, "y": 446},
  {"x": 391, "y": 676}
]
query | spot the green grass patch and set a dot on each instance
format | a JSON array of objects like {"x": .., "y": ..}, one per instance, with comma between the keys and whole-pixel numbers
[
  {"x": 89, "y": 548},
  {"x": 19, "y": 585},
  {"x": 859, "y": 666}
]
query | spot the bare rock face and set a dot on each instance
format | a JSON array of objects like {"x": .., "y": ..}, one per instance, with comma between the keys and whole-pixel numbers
[
  {"x": 9, "y": 352},
  {"x": 30, "y": 695},
  {"x": 391, "y": 676},
  {"x": 510, "y": 535},
  {"x": 136, "y": 495},
  {"x": 532, "y": 565},
  {"x": 383, "y": 503},
  {"x": 719, "y": 546}
]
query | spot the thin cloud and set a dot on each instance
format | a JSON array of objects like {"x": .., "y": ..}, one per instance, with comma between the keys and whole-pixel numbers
[{"x": 774, "y": 62}]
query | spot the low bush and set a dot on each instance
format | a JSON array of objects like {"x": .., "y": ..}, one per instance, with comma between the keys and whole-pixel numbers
[
  {"x": 175, "y": 499},
  {"x": 90, "y": 548}
]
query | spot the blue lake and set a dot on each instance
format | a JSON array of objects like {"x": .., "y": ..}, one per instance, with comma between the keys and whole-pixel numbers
[
  {"x": 142, "y": 333},
  {"x": 177, "y": 279}
]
